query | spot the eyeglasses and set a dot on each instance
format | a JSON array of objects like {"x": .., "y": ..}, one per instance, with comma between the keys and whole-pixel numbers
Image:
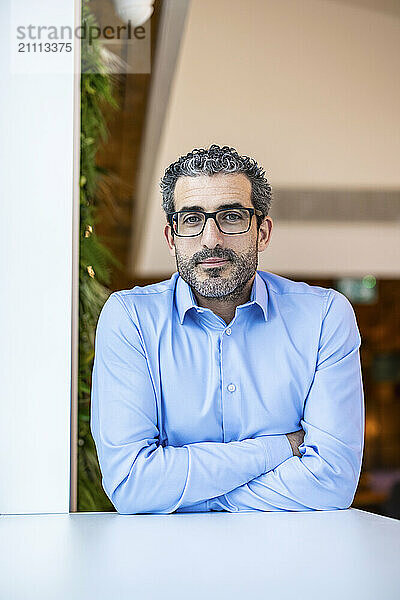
[{"x": 231, "y": 221}]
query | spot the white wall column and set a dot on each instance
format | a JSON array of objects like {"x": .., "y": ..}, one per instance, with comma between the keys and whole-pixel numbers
[{"x": 38, "y": 259}]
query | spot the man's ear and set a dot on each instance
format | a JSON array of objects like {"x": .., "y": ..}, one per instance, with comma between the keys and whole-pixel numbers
[
  {"x": 264, "y": 233},
  {"x": 170, "y": 239}
]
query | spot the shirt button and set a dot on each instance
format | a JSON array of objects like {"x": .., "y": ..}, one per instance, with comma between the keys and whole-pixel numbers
[
  {"x": 231, "y": 387},
  {"x": 228, "y": 331}
]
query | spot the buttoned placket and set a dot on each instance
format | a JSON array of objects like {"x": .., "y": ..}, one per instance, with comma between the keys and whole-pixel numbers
[
  {"x": 230, "y": 385},
  {"x": 230, "y": 393}
]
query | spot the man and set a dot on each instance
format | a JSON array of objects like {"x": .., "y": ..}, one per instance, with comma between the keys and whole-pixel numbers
[{"x": 224, "y": 387}]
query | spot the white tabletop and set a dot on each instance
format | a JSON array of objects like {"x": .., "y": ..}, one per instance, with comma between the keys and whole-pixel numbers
[{"x": 280, "y": 555}]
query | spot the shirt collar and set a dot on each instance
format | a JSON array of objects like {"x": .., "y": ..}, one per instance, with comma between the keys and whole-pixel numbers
[{"x": 185, "y": 299}]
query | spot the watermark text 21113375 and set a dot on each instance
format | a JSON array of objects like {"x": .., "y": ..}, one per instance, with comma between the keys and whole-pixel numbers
[{"x": 45, "y": 47}]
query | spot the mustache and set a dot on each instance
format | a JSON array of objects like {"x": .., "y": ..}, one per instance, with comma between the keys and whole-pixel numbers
[{"x": 226, "y": 254}]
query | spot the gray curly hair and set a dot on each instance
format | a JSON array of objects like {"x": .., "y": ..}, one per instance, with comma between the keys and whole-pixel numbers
[{"x": 217, "y": 159}]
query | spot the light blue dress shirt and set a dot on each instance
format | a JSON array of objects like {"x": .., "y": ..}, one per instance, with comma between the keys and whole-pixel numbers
[{"x": 190, "y": 414}]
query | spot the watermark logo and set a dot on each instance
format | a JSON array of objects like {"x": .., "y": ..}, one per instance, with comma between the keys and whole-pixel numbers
[{"x": 111, "y": 47}]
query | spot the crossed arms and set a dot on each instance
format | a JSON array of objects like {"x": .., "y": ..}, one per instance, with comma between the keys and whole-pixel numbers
[{"x": 262, "y": 473}]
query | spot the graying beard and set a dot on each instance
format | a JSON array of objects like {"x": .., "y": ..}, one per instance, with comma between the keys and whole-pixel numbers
[{"x": 224, "y": 292}]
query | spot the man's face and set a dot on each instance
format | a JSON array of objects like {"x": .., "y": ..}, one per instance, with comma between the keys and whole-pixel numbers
[{"x": 237, "y": 255}]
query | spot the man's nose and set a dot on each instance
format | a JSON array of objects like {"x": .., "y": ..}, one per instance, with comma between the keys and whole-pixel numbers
[{"x": 211, "y": 235}]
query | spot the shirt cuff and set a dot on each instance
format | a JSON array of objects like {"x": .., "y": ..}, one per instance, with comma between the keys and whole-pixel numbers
[{"x": 277, "y": 450}]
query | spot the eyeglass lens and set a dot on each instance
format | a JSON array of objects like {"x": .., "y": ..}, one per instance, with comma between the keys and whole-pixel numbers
[{"x": 229, "y": 221}]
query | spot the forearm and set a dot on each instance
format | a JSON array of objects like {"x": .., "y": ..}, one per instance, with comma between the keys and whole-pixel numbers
[
  {"x": 163, "y": 479},
  {"x": 288, "y": 448},
  {"x": 283, "y": 489},
  {"x": 324, "y": 478}
]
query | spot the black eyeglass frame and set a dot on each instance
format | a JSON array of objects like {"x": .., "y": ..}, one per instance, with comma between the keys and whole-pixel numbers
[{"x": 212, "y": 215}]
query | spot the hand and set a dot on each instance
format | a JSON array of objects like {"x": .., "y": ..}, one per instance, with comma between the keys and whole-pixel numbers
[{"x": 296, "y": 438}]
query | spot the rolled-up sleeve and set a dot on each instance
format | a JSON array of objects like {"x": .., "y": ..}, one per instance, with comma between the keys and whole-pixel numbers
[
  {"x": 139, "y": 475},
  {"x": 326, "y": 476}
]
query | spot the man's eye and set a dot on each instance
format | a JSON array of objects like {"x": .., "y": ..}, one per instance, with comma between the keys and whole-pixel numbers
[
  {"x": 232, "y": 217},
  {"x": 191, "y": 219}
]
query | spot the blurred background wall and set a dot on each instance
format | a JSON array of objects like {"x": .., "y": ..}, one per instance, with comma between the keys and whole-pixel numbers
[{"x": 310, "y": 88}]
